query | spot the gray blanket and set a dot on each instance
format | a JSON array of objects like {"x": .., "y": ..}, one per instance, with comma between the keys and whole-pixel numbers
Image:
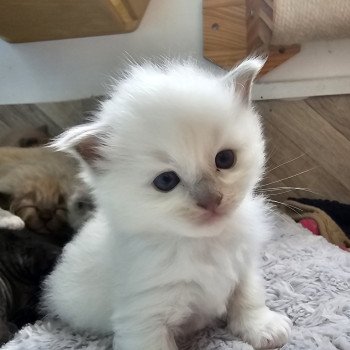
[{"x": 306, "y": 278}]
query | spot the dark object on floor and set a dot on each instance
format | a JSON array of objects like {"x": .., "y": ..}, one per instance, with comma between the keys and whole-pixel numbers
[
  {"x": 28, "y": 137},
  {"x": 332, "y": 218},
  {"x": 25, "y": 259}
]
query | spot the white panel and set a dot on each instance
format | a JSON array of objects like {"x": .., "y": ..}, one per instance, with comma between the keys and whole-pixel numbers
[{"x": 78, "y": 68}]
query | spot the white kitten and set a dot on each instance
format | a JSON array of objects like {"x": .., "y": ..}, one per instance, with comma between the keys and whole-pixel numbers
[{"x": 173, "y": 158}]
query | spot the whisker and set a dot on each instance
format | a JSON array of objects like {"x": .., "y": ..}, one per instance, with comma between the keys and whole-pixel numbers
[
  {"x": 278, "y": 193},
  {"x": 288, "y": 177},
  {"x": 283, "y": 188},
  {"x": 291, "y": 207},
  {"x": 281, "y": 216},
  {"x": 270, "y": 154},
  {"x": 272, "y": 189},
  {"x": 294, "y": 207},
  {"x": 287, "y": 162},
  {"x": 263, "y": 190}
]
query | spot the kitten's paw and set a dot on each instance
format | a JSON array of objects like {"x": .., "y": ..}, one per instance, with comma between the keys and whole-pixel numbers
[
  {"x": 12, "y": 222},
  {"x": 262, "y": 328}
]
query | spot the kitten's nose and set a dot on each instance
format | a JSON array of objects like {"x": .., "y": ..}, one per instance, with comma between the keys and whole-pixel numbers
[
  {"x": 45, "y": 215},
  {"x": 210, "y": 201}
]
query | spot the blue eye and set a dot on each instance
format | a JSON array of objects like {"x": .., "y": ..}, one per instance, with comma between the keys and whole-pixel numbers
[
  {"x": 225, "y": 159},
  {"x": 167, "y": 181}
]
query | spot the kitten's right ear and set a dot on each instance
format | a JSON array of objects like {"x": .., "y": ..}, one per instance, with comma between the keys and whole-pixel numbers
[
  {"x": 85, "y": 142},
  {"x": 243, "y": 75}
]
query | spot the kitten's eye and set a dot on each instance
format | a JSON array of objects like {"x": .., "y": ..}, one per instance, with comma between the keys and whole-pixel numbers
[
  {"x": 167, "y": 181},
  {"x": 225, "y": 159},
  {"x": 29, "y": 142}
]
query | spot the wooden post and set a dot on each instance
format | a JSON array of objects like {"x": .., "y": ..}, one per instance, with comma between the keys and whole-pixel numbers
[{"x": 234, "y": 29}]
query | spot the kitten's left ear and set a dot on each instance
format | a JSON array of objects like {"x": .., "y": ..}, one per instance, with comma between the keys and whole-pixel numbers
[
  {"x": 85, "y": 142},
  {"x": 243, "y": 75}
]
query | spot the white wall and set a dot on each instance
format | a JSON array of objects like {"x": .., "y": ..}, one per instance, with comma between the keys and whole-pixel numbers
[
  {"x": 321, "y": 68},
  {"x": 78, "y": 68}
]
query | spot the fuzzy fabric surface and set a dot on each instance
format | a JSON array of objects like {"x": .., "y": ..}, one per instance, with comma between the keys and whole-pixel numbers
[{"x": 306, "y": 277}]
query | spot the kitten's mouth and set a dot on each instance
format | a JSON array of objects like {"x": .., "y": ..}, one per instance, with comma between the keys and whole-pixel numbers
[{"x": 211, "y": 217}]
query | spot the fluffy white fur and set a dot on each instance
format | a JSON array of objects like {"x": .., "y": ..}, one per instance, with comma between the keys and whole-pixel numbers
[{"x": 152, "y": 266}]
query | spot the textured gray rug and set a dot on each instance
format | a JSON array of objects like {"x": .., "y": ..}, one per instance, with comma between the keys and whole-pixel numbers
[{"x": 306, "y": 278}]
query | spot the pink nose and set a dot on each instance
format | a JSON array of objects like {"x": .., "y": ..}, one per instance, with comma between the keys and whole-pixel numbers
[{"x": 210, "y": 201}]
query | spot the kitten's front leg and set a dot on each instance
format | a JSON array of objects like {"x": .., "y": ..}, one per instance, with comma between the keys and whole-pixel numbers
[
  {"x": 250, "y": 319},
  {"x": 10, "y": 221},
  {"x": 143, "y": 334}
]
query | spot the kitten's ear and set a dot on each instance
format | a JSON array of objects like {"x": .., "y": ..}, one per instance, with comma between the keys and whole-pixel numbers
[
  {"x": 243, "y": 75},
  {"x": 83, "y": 141}
]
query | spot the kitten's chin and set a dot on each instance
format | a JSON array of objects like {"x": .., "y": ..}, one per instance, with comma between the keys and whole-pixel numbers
[
  {"x": 211, "y": 218},
  {"x": 209, "y": 225},
  {"x": 209, "y": 229}
]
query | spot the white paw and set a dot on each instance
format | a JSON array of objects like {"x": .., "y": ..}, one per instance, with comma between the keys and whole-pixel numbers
[
  {"x": 12, "y": 222},
  {"x": 262, "y": 328}
]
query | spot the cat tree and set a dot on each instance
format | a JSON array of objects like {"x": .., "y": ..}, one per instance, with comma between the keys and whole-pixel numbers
[{"x": 234, "y": 28}]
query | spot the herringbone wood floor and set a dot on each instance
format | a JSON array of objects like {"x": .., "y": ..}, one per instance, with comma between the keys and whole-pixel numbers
[
  {"x": 315, "y": 133},
  {"x": 308, "y": 137}
]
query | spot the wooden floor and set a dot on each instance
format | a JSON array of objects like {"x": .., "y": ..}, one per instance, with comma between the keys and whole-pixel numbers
[
  {"x": 308, "y": 141},
  {"x": 311, "y": 138},
  {"x": 57, "y": 116}
]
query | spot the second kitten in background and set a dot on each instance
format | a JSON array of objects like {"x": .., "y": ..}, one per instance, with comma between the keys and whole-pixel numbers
[
  {"x": 36, "y": 185},
  {"x": 40, "y": 186},
  {"x": 26, "y": 137}
]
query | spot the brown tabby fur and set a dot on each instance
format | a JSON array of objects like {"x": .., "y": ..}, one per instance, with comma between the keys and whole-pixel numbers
[
  {"x": 26, "y": 137},
  {"x": 35, "y": 184}
]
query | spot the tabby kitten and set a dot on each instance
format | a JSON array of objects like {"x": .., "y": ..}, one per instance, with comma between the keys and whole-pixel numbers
[
  {"x": 25, "y": 259},
  {"x": 39, "y": 189},
  {"x": 26, "y": 137},
  {"x": 35, "y": 184}
]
